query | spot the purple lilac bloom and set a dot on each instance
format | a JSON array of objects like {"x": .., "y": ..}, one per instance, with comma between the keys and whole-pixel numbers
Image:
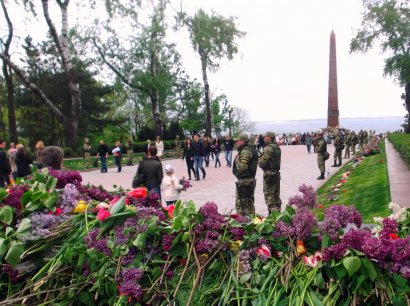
[
  {"x": 306, "y": 200},
  {"x": 14, "y": 197},
  {"x": 12, "y": 273},
  {"x": 41, "y": 224},
  {"x": 237, "y": 233},
  {"x": 130, "y": 257},
  {"x": 244, "y": 261},
  {"x": 337, "y": 217},
  {"x": 65, "y": 177},
  {"x": 390, "y": 226},
  {"x": 167, "y": 242},
  {"x": 302, "y": 224},
  {"x": 206, "y": 245},
  {"x": 282, "y": 230},
  {"x": 69, "y": 198},
  {"x": 128, "y": 283}
]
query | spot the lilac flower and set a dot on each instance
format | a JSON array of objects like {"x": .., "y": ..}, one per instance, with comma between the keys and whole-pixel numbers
[
  {"x": 337, "y": 217},
  {"x": 302, "y": 224},
  {"x": 167, "y": 242},
  {"x": 69, "y": 198},
  {"x": 14, "y": 197},
  {"x": 128, "y": 283},
  {"x": 244, "y": 261},
  {"x": 41, "y": 224},
  {"x": 237, "y": 233},
  {"x": 282, "y": 230},
  {"x": 307, "y": 200},
  {"x": 65, "y": 177},
  {"x": 10, "y": 271},
  {"x": 91, "y": 241},
  {"x": 206, "y": 245}
]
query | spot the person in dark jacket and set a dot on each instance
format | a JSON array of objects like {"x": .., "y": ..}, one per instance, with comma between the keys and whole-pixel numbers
[
  {"x": 228, "y": 145},
  {"x": 216, "y": 147},
  {"x": 23, "y": 162},
  {"x": 199, "y": 153},
  {"x": 189, "y": 157},
  {"x": 149, "y": 173},
  {"x": 5, "y": 169},
  {"x": 102, "y": 153}
]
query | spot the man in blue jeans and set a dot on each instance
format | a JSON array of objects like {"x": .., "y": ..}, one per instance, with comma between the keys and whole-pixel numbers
[
  {"x": 102, "y": 153},
  {"x": 228, "y": 144},
  {"x": 199, "y": 153}
]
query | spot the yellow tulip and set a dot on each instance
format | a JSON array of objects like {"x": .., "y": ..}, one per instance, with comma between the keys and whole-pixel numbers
[
  {"x": 257, "y": 220},
  {"x": 234, "y": 246},
  {"x": 80, "y": 208},
  {"x": 300, "y": 248}
]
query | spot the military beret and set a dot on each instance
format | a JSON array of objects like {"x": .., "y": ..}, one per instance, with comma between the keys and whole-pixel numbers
[
  {"x": 270, "y": 134},
  {"x": 243, "y": 137}
]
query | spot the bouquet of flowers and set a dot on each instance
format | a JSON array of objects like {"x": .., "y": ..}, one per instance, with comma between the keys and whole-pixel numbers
[{"x": 185, "y": 184}]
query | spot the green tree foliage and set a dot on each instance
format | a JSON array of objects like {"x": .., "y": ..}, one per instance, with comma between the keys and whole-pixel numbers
[
  {"x": 387, "y": 22},
  {"x": 213, "y": 38}
]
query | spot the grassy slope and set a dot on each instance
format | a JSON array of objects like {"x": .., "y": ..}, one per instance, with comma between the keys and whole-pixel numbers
[
  {"x": 367, "y": 188},
  {"x": 401, "y": 143}
]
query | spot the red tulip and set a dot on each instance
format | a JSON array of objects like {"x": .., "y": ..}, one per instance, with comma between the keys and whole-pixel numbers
[
  {"x": 170, "y": 210},
  {"x": 313, "y": 260},
  {"x": 140, "y": 192},
  {"x": 393, "y": 236},
  {"x": 57, "y": 212},
  {"x": 103, "y": 214},
  {"x": 264, "y": 251}
]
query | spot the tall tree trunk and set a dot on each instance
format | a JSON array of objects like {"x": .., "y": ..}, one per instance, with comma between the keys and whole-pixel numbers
[
  {"x": 71, "y": 77},
  {"x": 8, "y": 76},
  {"x": 208, "y": 127},
  {"x": 154, "y": 63},
  {"x": 407, "y": 105}
]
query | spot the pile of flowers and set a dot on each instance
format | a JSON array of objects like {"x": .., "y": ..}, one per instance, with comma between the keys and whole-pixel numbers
[{"x": 71, "y": 245}]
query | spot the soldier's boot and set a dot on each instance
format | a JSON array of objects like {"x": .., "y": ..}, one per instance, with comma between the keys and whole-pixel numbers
[
  {"x": 322, "y": 176},
  {"x": 334, "y": 164}
]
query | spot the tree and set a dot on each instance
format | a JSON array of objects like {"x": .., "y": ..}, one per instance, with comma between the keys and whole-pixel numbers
[
  {"x": 241, "y": 121},
  {"x": 388, "y": 23},
  {"x": 8, "y": 77},
  {"x": 143, "y": 61},
  {"x": 70, "y": 119},
  {"x": 213, "y": 37}
]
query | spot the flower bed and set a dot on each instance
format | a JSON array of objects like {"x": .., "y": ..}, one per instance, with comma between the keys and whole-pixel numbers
[{"x": 84, "y": 246}]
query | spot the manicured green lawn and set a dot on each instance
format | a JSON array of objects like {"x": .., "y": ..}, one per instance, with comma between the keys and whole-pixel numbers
[
  {"x": 367, "y": 188},
  {"x": 401, "y": 143}
]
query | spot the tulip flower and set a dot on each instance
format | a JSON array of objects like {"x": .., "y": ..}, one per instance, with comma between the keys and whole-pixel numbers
[
  {"x": 103, "y": 214},
  {"x": 393, "y": 236},
  {"x": 313, "y": 260},
  {"x": 114, "y": 200},
  {"x": 170, "y": 210},
  {"x": 300, "y": 248},
  {"x": 234, "y": 246},
  {"x": 140, "y": 192},
  {"x": 257, "y": 220},
  {"x": 80, "y": 207},
  {"x": 57, "y": 212},
  {"x": 103, "y": 205},
  {"x": 263, "y": 251}
]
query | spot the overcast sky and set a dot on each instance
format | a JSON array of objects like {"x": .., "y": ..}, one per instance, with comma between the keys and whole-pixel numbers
[{"x": 281, "y": 72}]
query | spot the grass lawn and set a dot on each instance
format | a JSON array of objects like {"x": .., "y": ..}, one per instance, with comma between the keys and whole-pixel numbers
[{"x": 367, "y": 188}]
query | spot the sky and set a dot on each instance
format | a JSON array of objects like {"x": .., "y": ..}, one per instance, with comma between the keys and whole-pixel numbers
[{"x": 281, "y": 71}]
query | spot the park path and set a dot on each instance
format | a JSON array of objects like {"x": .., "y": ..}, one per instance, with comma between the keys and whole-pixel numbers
[
  {"x": 399, "y": 176},
  {"x": 297, "y": 168}
]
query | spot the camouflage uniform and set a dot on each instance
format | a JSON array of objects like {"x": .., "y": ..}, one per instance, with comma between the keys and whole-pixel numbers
[
  {"x": 321, "y": 149},
  {"x": 269, "y": 162},
  {"x": 354, "y": 142},
  {"x": 244, "y": 169},
  {"x": 338, "y": 151},
  {"x": 365, "y": 138},
  {"x": 348, "y": 142},
  {"x": 361, "y": 139}
]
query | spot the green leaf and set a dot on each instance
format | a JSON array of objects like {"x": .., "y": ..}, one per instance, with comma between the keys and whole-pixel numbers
[
  {"x": 3, "y": 247},
  {"x": 177, "y": 223},
  {"x": 244, "y": 278},
  {"x": 369, "y": 268},
  {"x": 51, "y": 200},
  {"x": 3, "y": 194},
  {"x": 24, "y": 227},
  {"x": 319, "y": 281},
  {"x": 314, "y": 297},
  {"x": 26, "y": 197},
  {"x": 6, "y": 214},
  {"x": 140, "y": 240},
  {"x": 14, "y": 253},
  {"x": 351, "y": 264},
  {"x": 325, "y": 241},
  {"x": 51, "y": 183},
  {"x": 117, "y": 206},
  {"x": 156, "y": 272},
  {"x": 401, "y": 282}
]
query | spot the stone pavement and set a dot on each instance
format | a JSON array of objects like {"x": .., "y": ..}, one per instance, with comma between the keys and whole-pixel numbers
[
  {"x": 399, "y": 176},
  {"x": 297, "y": 168}
]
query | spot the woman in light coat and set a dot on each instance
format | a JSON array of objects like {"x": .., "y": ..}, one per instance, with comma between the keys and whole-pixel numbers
[{"x": 160, "y": 147}]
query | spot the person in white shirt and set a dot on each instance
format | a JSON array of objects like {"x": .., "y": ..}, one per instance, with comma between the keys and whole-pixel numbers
[
  {"x": 170, "y": 186},
  {"x": 160, "y": 147}
]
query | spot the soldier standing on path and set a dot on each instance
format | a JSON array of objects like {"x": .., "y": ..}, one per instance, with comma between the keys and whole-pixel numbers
[
  {"x": 354, "y": 142},
  {"x": 321, "y": 150},
  {"x": 177, "y": 146},
  {"x": 348, "y": 142},
  {"x": 244, "y": 169},
  {"x": 338, "y": 150},
  {"x": 269, "y": 162}
]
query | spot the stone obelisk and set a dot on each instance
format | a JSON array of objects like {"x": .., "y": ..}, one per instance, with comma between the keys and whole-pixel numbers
[{"x": 332, "y": 104}]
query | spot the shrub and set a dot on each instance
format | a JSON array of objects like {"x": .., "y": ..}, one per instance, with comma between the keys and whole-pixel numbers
[{"x": 401, "y": 143}]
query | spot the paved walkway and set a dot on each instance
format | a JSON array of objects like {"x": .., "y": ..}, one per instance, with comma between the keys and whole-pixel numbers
[
  {"x": 399, "y": 176},
  {"x": 297, "y": 168}
]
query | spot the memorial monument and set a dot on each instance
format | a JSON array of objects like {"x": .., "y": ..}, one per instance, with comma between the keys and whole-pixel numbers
[{"x": 332, "y": 104}]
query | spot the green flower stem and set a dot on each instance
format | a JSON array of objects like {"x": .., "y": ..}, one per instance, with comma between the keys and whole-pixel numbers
[{"x": 184, "y": 271}]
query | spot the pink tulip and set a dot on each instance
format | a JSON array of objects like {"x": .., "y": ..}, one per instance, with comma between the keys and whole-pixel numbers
[
  {"x": 313, "y": 260},
  {"x": 263, "y": 251},
  {"x": 114, "y": 200},
  {"x": 103, "y": 214}
]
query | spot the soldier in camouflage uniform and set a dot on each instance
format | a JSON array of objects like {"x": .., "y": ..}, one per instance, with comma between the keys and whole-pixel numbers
[
  {"x": 348, "y": 143},
  {"x": 269, "y": 162},
  {"x": 338, "y": 150},
  {"x": 244, "y": 169},
  {"x": 365, "y": 138},
  {"x": 361, "y": 139},
  {"x": 321, "y": 149},
  {"x": 354, "y": 142}
]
